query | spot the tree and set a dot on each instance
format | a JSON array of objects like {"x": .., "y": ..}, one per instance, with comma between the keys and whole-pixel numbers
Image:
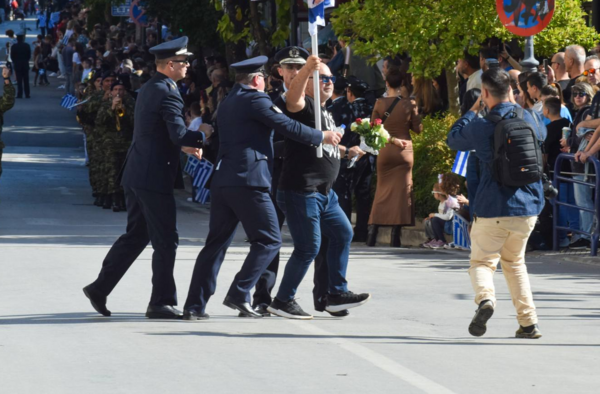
[{"x": 436, "y": 32}]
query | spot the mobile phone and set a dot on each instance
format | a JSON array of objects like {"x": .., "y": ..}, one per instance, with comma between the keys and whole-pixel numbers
[{"x": 546, "y": 66}]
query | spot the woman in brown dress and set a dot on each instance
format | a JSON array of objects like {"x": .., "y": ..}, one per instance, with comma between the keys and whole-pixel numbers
[{"x": 393, "y": 204}]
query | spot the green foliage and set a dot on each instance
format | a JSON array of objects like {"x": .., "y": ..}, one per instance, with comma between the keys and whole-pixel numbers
[
  {"x": 432, "y": 157},
  {"x": 195, "y": 18},
  {"x": 435, "y": 32}
]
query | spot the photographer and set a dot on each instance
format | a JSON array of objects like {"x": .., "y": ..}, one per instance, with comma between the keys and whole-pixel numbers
[{"x": 504, "y": 216}]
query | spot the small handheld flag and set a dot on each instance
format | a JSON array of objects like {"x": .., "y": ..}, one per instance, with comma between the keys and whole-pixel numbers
[{"x": 460, "y": 163}]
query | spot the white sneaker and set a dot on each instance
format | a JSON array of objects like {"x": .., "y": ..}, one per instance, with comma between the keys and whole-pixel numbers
[
  {"x": 61, "y": 77},
  {"x": 61, "y": 87},
  {"x": 52, "y": 75}
]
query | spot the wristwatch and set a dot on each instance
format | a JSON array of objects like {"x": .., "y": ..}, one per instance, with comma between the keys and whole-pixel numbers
[{"x": 346, "y": 154}]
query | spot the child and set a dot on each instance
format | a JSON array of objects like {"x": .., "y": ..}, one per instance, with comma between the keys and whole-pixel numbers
[{"x": 435, "y": 223}]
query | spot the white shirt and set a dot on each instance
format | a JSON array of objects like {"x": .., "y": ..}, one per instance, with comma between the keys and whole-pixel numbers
[
  {"x": 195, "y": 124},
  {"x": 76, "y": 59},
  {"x": 474, "y": 80}
]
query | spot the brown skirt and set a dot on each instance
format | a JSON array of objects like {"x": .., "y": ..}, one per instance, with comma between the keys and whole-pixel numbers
[{"x": 393, "y": 204}]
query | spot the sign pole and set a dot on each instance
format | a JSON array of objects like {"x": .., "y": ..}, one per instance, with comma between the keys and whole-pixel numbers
[
  {"x": 317, "y": 90},
  {"x": 529, "y": 62}
]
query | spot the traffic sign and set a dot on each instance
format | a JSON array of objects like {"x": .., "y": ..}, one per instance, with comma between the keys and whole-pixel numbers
[
  {"x": 137, "y": 13},
  {"x": 525, "y": 17},
  {"x": 121, "y": 9}
]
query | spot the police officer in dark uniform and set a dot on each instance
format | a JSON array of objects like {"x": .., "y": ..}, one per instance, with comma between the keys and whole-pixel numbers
[
  {"x": 20, "y": 54},
  {"x": 291, "y": 60},
  {"x": 360, "y": 180},
  {"x": 240, "y": 188},
  {"x": 339, "y": 107},
  {"x": 148, "y": 179}
]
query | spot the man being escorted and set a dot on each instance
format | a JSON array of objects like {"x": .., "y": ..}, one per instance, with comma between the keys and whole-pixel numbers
[
  {"x": 148, "y": 178},
  {"x": 309, "y": 203},
  {"x": 504, "y": 215}
]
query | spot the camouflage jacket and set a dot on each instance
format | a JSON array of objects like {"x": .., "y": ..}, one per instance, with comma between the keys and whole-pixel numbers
[
  {"x": 87, "y": 112},
  {"x": 6, "y": 102},
  {"x": 106, "y": 120}
]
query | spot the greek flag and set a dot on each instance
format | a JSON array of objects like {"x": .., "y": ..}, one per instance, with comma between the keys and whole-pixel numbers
[
  {"x": 460, "y": 163},
  {"x": 200, "y": 171},
  {"x": 316, "y": 13},
  {"x": 68, "y": 101},
  {"x": 462, "y": 240}
]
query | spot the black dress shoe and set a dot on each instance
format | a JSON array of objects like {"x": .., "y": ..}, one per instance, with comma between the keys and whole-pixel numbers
[
  {"x": 98, "y": 301},
  {"x": 162, "y": 312},
  {"x": 261, "y": 309},
  {"x": 194, "y": 314},
  {"x": 243, "y": 307}
]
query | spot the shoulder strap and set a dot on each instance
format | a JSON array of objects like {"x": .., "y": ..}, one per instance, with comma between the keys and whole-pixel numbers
[{"x": 387, "y": 113}]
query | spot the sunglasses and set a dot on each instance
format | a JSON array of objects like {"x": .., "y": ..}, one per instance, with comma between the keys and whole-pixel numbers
[
  {"x": 579, "y": 94},
  {"x": 326, "y": 78},
  {"x": 590, "y": 71},
  {"x": 181, "y": 61}
]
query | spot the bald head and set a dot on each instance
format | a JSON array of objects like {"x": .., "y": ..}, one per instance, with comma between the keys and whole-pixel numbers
[{"x": 574, "y": 60}]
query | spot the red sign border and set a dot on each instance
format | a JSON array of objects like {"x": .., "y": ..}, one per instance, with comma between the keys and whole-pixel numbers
[{"x": 520, "y": 31}]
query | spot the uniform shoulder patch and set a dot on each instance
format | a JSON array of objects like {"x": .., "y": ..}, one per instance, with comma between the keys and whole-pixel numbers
[{"x": 276, "y": 109}]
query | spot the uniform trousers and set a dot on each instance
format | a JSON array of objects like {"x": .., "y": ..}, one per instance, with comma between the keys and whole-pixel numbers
[
  {"x": 252, "y": 207},
  {"x": 22, "y": 75},
  {"x": 503, "y": 239},
  {"x": 151, "y": 217},
  {"x": 266, "y": 282}
]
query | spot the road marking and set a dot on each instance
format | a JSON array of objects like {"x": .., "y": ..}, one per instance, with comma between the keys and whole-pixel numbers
[{"x": 378, "y": 360}]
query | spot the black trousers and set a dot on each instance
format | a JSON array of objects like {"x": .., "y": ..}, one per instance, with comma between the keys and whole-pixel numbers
[
  {"x": 266, "y": 282},
  {"x": 22, "y": 75},
  {"x": 230, "y": 206},
  {"x": 151, "y": 217},
  {"x": 356, "y": 181}
]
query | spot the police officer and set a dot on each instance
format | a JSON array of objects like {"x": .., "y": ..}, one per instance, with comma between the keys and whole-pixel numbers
[
  {"x": 7, "y": 101},
  {"x": 240, "y": 188},
  {"x": 148, "y": 178},
  {"x": 291, "y": 60},
  {"x": 339, "y": 107},
  {"x": 21, "y": 54}
]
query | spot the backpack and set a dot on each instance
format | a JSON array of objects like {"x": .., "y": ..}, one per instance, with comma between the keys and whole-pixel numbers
[{"x": 517, "y": 150}]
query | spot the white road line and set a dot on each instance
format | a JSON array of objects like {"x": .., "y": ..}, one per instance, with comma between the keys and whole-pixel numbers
[{"x": 411, "y": 377}]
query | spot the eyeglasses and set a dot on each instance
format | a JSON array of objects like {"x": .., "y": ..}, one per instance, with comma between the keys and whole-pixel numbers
[
  {"x": 559, "y": 63},
  {"x": 181, "y": 61},
  {"x": 579, "y": 94},
  {"x": 292, "y": 66},
  {"x": 590, "y": 71},
  {"x": 326, "y": 78}
]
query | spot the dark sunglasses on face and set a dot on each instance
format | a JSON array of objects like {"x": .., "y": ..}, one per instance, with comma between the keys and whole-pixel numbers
[
  {"x": 590, "y": 71},
  {"x": 326, "y": 78},
  {"x": 579, "y": 94}
]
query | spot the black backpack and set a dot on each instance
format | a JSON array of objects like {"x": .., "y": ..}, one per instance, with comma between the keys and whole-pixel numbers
[{"x": 517, "y": 150}]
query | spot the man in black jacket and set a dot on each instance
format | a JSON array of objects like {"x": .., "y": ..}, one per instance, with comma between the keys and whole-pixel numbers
[{"x": 21, "y": 54}]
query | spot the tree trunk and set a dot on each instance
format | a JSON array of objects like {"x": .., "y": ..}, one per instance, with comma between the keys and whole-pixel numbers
[
  {"x": 452, "y": 80},
  {"x": 257, "y": 30}
]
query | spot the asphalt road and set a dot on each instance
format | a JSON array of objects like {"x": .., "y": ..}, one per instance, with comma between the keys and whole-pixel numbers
[{"x": 411, "y": 338}]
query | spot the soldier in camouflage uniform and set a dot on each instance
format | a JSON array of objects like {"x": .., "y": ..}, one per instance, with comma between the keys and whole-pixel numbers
[
  {"x": 114, "y": 123},
  {"x": 86, "y": 115},
  {"x": 6, "y": 102}
]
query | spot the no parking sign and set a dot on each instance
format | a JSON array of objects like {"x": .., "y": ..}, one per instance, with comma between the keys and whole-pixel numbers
[{"x": 525, "y": 17}]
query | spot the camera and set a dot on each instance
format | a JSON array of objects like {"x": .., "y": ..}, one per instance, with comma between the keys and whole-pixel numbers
[{"x": 550, "y": 192}]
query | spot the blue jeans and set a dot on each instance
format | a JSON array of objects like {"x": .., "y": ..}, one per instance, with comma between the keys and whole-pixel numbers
[
  {"x": 566, "y": 215},
  {"x": 308, "y": 215},
  {"x": 583, "y": 198}
]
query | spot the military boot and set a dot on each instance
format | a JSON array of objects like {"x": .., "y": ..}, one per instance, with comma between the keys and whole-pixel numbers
[{"x": 107, "y": 201}]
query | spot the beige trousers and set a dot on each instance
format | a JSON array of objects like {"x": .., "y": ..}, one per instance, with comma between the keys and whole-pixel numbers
[{"x": 503, "y": 239}]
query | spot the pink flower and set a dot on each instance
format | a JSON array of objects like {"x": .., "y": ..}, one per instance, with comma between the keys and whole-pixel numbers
[
  {"x": 378, "y": 122},
  {"x": 358, "y": 120}
]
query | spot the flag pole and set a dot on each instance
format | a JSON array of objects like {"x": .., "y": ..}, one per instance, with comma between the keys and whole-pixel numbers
[{"x": 317, "y": 89}]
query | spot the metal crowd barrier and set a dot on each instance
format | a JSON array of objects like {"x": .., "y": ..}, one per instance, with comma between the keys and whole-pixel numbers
[{"x": 559, "y": 178}]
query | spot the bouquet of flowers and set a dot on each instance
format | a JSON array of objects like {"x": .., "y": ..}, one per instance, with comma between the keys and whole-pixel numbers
[{"x": 373, "y": 136}]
